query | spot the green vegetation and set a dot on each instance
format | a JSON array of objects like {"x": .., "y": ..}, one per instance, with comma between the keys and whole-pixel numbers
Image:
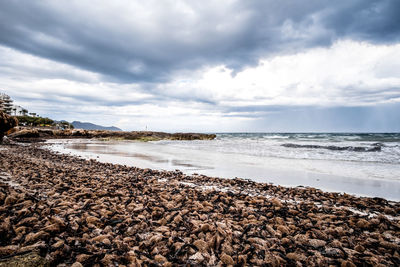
[
  {"x": 43, "y": 122},
  {"x": 34, "y": 121},
  {"x": 66, "y": 125}
]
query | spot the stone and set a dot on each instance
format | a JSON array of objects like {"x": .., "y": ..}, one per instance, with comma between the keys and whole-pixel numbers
[
  {"x": 226, "y": 259},
  {"x": 334, "y": 253},
  {"x": 362, "y": 224},
  {"x": 197, "y": 257},
  {"x": 82, "y": 257},
  {"x": 283, "y": 229},
  {"x": 316, "y": 243},
  {"x": 347, "y": 264},
  {"x": 160, "y": 259},
  {"x": 296, "y": 256},
  {"x": 33, "y": 237},
  {"x": 201, "y": 245},
  {"x": 359, "y": 248},
  {"x": 99, "y": 238}
]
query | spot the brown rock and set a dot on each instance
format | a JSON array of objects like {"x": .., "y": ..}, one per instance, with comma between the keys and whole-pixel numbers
[
  {"x": 82, "y": 257},
  {"x": 106, "y": 241},
  {"x": 99, "y": 238},
  {"x": 198, "y": 257},
  {"x": 359, "y": 248},
  {"x": 58, "y": 244},
  {"x": 283, "y": 229},
  {"x": 28, "y": 221},
  {"x": 160, "y": 258},
  {"x": 177, "y": 219},
  {"x": 389, "y": 245},
  {"x": 201, "y": 245},
  {"x": 33, "y": 237},
  {"x": 205, "y": 227},
  {"x": 57, "y": 220},
  {"x": 362, "y": 224},
  {"x": 334, "y": 253},
  {"x": 226, "y": 259},
  {"x": 316, "y": 243},
  {"x": 347, "y": 264},
  {"x": 52, "y": 228},
  {"x": 155, "y": 239},
  {"x": 390, "y": 211},
  {"x": 10, "y": 200},
  {"x": 296, "y": 256},
  {"x": 92, "y": 220},
  {"x": 285, "y": 241}
]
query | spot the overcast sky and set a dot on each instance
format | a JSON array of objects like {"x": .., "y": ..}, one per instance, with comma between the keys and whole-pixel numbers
[{"x": 208, "y": 66}]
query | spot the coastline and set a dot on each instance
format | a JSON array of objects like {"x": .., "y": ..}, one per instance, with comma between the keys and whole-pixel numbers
[
  {"x": 206, "y": 157},
  {"x": 72, "y": 209}
]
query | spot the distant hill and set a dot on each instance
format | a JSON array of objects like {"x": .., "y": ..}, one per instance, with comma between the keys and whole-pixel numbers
[{"x": 91, "y": 126}]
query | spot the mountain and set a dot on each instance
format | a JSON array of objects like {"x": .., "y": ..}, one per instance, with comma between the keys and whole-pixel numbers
[{"x": 91, "y": 126}]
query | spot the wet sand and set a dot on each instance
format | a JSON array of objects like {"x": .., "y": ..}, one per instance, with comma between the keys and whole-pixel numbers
[
  {"x": 360, "y": 179},
  {"x": 84, "y": 212}
]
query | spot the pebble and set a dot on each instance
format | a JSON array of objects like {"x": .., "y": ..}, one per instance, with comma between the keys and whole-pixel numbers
[
  {"x": 296, "y": 256},
  {"x": 201, "y": 245},
  {"x": 226, "y": 259},
  {"x": 316, "y": 243}
]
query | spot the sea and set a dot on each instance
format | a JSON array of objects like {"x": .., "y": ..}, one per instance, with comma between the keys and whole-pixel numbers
[{"x": 362, "y": 164}]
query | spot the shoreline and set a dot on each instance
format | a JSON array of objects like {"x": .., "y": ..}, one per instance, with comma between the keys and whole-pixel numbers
[
  {"x": 72, "y": 209},
  {"x": 327, "y": 175}
]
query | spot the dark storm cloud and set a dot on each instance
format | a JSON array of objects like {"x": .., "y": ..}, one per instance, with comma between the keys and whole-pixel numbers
[
  {"x": 376, "y": 21},
  {"x": 124, "y": 45}
]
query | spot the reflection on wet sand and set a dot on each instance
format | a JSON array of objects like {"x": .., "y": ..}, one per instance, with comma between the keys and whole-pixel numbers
[{"x": 106, "y": 149}]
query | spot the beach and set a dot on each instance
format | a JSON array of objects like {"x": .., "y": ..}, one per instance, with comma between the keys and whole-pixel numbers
[
  {"x": 67, "y": 210},
  {"x": 359, "y": 164}
]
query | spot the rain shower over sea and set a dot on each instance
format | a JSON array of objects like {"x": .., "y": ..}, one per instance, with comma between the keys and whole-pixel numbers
[{"x": 364, "y": 164}]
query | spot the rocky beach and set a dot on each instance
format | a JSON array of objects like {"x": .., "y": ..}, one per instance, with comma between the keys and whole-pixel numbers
[{"x": 60, "y": 210}]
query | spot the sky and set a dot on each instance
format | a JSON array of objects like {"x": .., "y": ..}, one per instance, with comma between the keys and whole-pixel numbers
[{"x": 206, "y": 66}]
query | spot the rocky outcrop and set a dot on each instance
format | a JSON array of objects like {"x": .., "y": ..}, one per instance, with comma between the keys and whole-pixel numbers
[
  {"x": 6, "y": 123},
  {"x": 33, "y": 133}
]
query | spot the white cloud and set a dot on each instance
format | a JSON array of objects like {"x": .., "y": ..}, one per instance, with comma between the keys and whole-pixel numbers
[{"x": 346, "y": 74}]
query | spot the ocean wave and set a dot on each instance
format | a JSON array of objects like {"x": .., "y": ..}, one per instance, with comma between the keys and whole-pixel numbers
[{"x": 374, "y": 148}]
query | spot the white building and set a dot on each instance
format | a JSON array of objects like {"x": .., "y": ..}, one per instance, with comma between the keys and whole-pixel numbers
[
  {"x": 6, "y": 103},
  {"x": 18, "y": 111}
]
